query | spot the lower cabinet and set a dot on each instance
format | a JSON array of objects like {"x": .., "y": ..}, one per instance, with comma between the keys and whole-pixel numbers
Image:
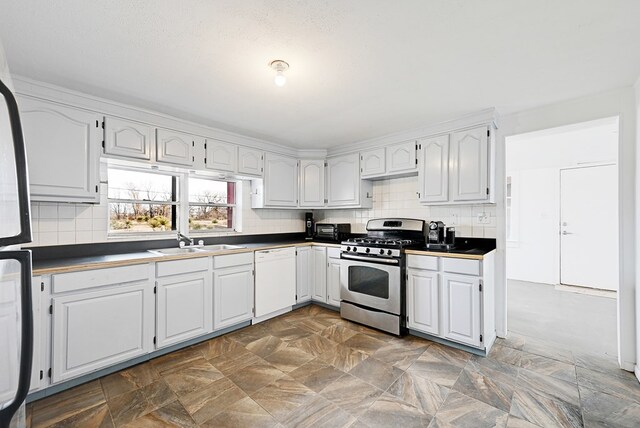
[
  {"x": 232, "y": 295},
  {"x": 93, "y": 330},
  {"x": 423, "y": 301},
  {"x": 319, "y": 273},
  {"x": 304, "y": 274},
  {"x": 461, "y": 308},
  {"x": 333, "y": 281}
]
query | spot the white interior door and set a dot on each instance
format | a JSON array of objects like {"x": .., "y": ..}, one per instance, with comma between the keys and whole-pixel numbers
[{"x": 589, "y": 227}]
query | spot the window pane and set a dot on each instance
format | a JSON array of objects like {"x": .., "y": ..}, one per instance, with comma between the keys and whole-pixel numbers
[
  {"x": 205, "y": 218},
  {"x": 139, "y": 218},
  {"x": 203, "y": 191},
  {"x": 137, "y": 185}
]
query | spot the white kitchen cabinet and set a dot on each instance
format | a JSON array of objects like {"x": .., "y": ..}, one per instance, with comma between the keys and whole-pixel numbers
[
  {"x": 232, "y": 295},
  {"x": 401, "y": 158},
  {"x": 124, "y": 138},
  {"x": 372, "y": 162},
  {"x": 434, "y": 172},
  {"x": 174, "y": 148},
  {"x": 461, "y": 309},
  {"x": 220, "y": 155},
  {"x": 423, "y": 300},
  {"x": 280, "y": 181},
  {"x": 62, "y": 151},
  {"x": 319, "y": 273},
  {"x": 184, "y": 307},
  {"x": 304, "y": 274},
  {"x": 250, "y": 161},
  {"x": 344, "y": 186},
  {"x": 275, "y": 282},
  {"x": 470, "y": 165},
  {"x": 96, "y": 329},
  {"x": 311, "y": 183},
  {"x": 333, "y": 281}
]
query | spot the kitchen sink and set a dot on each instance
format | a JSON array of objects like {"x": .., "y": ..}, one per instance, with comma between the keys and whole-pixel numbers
[
  {"x": 175, "y": 251},
  {"x": 220, "y": 247}
]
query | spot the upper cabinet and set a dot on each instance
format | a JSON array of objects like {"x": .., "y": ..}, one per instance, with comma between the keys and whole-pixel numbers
[
  {"x": 372, "y": 163},
  {"x": 62, "y": 151},
  {"x": 220, "y": 156},
  {"x": 401, "y": 158},
  {"x": 311, "y": 183},
  {"x": 280, "y": 181},
  {"x": 344, "y": 186},
  {"x": 456, "y": 168},
  {"x": 174, "y": 148},
  {"x": 127, "y": 139},
  {"x": 250, "y": 161}
]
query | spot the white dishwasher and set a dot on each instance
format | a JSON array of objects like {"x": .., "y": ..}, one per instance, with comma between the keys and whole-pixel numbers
[{"x": 275, "y": 285}]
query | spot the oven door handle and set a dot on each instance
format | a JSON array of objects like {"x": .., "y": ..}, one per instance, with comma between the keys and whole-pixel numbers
[{"x": 370, "y": 259}]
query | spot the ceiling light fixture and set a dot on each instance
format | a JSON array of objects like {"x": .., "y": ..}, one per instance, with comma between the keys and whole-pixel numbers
[{"x": 279, "y": 66}]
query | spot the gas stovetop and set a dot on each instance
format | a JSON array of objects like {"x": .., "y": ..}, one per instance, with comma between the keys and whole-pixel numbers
[
  {"x": 375, "y": 241},
  {"x": 387, "y": 237}
]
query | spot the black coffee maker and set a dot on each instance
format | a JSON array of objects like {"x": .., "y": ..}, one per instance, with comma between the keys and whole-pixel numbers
[
  {"x": 440, "y": 237},
  {"x": 308, "y": 226}
]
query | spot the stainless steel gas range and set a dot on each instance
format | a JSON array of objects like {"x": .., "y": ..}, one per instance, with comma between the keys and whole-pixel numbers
[{"x": 372, "y": 273}]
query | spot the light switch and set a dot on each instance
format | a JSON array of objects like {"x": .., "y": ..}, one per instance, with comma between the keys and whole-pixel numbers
[{"x": 483, "y": 218}]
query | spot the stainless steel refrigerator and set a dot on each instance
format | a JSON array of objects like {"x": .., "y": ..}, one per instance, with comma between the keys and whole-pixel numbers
[{"x": 16, "y": 318}]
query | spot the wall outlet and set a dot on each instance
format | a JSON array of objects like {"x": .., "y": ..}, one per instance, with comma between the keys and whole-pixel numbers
[
  {"x": 483, "y": 218},
  {"x": 453, "y": 219}
]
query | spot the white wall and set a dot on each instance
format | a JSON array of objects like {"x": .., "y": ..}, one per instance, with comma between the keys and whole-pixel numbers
[
  {"x": 619, "y": 102},
  {"x": 534, "y": 161}
]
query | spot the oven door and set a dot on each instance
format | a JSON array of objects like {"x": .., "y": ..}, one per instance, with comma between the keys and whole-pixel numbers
[{"x": 376, "y": 285}]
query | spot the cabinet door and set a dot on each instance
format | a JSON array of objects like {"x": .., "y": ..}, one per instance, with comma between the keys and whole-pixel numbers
[
  {"x": 127, "y": 139},
  {"x": 434, "y": 169},
  {"x": 461, "y": 308},
  {"x": 333, "y": 282},
  {"x": 184, "y": 308},
  {"x": 38, "y": 362},
  {"x": 319, "y": 274},
  {"x": 401, "y": 157},
  {"x": 373, "y": 162},
  {"x": 250, "y": 161},
  {"x": 343, "y": 180},
  {"x": 423, "y": 301},
  {"x": 232, "y": 295},
  {"x": 174, "y": 147},
  {"x": 220, "y": 156},
  {"x": 311, "y": 183},
  {"x": 99, "y": 329},
  {"x": 62, "y": 151},
  {"x": 280, "y": 181},
  {"x": 470, "y": 165},
  {"x": 304, "y": 276}
]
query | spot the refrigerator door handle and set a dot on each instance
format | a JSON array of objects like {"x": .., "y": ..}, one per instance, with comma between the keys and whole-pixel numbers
[
  {"x": 26, "y": 335},
  {"x": 20, "y": 155}
]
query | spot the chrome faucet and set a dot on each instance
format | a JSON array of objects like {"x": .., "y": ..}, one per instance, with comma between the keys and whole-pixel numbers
[{"x": 183, "y": 239}]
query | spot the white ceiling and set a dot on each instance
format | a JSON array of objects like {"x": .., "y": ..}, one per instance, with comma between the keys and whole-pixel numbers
[{"x": 359, "y": 69}]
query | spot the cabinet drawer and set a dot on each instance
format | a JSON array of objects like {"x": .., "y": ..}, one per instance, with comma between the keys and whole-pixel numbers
[
  {"x": 98, "y": 277},
  {"x": 233, "y": 260},
  {"x": 422, "y": 262},
  {"x": 463, "y": 266},
  {"x": 333, "y": 253},
  {"x": 177, "y": 267}
]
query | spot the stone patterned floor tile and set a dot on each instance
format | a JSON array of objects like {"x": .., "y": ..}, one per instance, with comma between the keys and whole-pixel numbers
[
  {"x": 544, "y": 411},
  {"x": 314, "y": 325},
  {"x": 192, "y": 377},
  {"x": 217, "y": 346},
  {"x": 390, "y": 411},
  {"x": 266, "y": 346},
  {"x": 338, "y": 333},
  {"x": 316, "y": 374},
  {"x": 61, "y": 406},
  {"x": 458, "y": 410},
  {"x": 548, "y": 366},
  {"x": 419, "y": 392},
  {"x": 175, "y": 360},
  {"x": 504, "y": 354},
  {"x": 552, "y": 351},
  {"x": 116, "y": 384},
  {"x": 599, "y": 409},
  {"x": 95, "y": 417},
  {"x": 351, "y": 394},
  {"x": 289, "y": 359},
  {"x": 232, "y": 362},
  {"x": 372, "y": 332},
  {"x": 364, "y": 343},
  {"x": 514, "y": 422},
  {"x": 256, "y": 376},
  {"x": 247, "y": 335},
  {"x": 343, "y": 357},
  {"x": 205, "y": 403},
  {"x": 376, "y": 373},
  {"x": 159, "y": 394},
  {"x": 314, "y": 345},
  {"x": 624, "y": 388},
  {"x": 550, "y": 387},
  {"x": 492, "y": 385},
  {"x": 399, "y": 356},
  {"x": 513, "y": 341},
  {"x": 319, "y": 412},
  {"x": 282, "y": 397},
  {"x": 129, "y": 406},
  {"x": 173, "y": 415},
  {"x": 292, "y": 333},
  {"x": 440, "y": 365},
  {"x": 242, "y": 413}
]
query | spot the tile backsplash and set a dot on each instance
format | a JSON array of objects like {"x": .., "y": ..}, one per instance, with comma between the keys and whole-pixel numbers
[{"x": 64, "y": 223}]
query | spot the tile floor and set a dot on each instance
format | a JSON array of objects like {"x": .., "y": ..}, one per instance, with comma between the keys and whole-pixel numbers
[{"x": 311, "y": 368}]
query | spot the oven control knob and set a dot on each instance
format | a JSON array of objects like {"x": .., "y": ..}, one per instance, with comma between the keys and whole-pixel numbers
[
  {"x": 381, "y": 252},
  {"x": 355, "y": 249},
  {"x": 367, "y": 250},
  {"x": 348, "y": 248},
  {"x": 389, "y": 252}
]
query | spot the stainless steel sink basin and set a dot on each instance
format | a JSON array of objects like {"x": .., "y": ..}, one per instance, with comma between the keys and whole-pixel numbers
[
  {"x": 175, "y": 251},
  {"x": 220, "y": 247}
]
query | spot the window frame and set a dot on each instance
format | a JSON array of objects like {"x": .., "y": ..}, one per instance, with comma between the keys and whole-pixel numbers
[{"x": 233, "y": 205}]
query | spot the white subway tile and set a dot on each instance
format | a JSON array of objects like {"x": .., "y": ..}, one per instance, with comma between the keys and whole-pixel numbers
[
  {"x": 48, "y": 238},
  {"x": 48, "y": 211},
  {"x": 84, "y": 224},
  {"x": 66, "y": 211},
  {"x": 66, "y": 238}
]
